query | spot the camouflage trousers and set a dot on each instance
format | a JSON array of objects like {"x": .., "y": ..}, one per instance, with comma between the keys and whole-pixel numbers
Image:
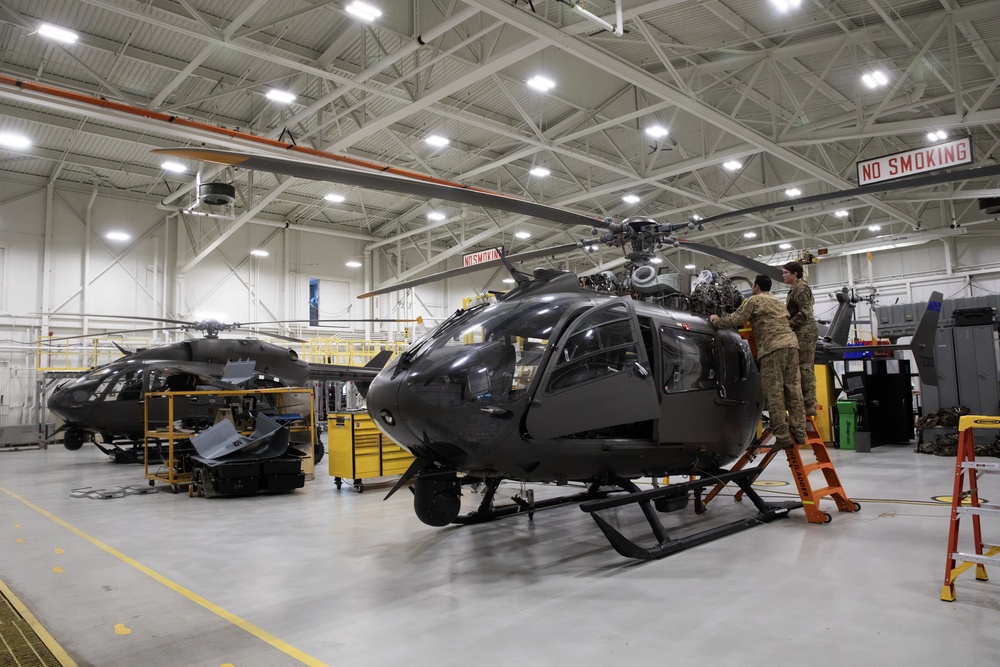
[
  {"x": 807, "y": 372},
  {"x": 779, "y": 378}
]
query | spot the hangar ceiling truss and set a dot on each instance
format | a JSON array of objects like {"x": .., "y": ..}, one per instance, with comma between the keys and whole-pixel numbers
[{"x": 780, "y": 93}]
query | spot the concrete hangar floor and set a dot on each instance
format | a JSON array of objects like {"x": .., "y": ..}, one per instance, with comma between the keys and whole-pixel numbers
[{"x": 323, "y": 576}]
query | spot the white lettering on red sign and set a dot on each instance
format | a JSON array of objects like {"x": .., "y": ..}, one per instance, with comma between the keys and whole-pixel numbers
[
  {"x": 481, "y": 256},
  {"x": 917, "y": 161}
]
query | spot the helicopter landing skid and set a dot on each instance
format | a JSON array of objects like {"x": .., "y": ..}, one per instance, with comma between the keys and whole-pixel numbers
[
  {"x": 665, "y": 495},
  {"x": 487, "y": 512}
]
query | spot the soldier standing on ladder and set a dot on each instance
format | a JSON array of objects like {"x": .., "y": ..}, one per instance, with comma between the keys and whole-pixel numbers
[{"x": 800, "y": 316}]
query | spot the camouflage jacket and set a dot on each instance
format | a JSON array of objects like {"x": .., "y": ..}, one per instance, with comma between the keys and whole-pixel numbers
[
  {"x": 769, "y": 319},
  {"x": 800, "y": 308}
]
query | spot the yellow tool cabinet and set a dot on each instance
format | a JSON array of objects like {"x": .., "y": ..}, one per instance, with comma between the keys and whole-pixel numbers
[{"x": 359, "y": 451}]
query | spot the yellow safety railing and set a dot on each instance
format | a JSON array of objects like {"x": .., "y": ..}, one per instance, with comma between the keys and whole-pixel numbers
[
  {"x": 334, "y": 350},
  {"x": 86, "y": 354},
  {"x": 78, "y": 355}
]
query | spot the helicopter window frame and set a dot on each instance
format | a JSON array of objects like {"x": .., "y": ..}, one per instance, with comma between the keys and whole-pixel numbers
[
  {"x": 601, "y": 343},
  {"x": 682, "y": 364}
]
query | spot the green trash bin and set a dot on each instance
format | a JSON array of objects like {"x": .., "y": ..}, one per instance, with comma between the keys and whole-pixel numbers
[{"x": 847, "y": 423}]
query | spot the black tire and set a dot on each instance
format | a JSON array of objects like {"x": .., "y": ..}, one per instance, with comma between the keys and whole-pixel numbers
[
  {"x": 318, "y": 451},
  {"x": 73, "y": 439}
]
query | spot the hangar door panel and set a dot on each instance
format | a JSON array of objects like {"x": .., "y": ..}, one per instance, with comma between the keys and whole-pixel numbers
[{"x": 597, "y": 377}]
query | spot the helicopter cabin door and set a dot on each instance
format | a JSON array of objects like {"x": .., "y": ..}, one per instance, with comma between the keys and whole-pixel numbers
[{"x": 598, "y": 380}]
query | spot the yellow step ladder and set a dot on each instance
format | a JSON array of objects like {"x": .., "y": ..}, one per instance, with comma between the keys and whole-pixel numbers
[
  {"x": 801, "y": 471},
  {"x": 967, "y": 473}
]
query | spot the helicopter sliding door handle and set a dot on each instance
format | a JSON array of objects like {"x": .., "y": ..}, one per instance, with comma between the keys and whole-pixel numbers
[
  {"x": 640, "y": 370},
  {"x": 497, "y": 412},
  {"x": 729, "y": 401}
]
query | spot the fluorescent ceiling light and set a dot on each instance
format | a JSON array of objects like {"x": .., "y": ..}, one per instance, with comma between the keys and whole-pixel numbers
[
  {"x": 841, "y": 213},
  {"x": 874, "y": 228},
  {"x": 540, "y": 172},
  {"x": 333, "y": 198},
  {"x": 436, "y": 215},
  {"x": 259, "y": 253},
  {"x": 11, "y": 140},
  {"x": 785, "y": 246},
  {"x": 175, "y": 167},
  {"x": 875, "y": 79},
  {"x": 539, "y": 82},
  {"x": 281, "y": 96},
  {"x": 793, "y": 192},
  {"x": 750, "y": 235},
  {"x": 695, "y": 216},
  {"x": 117, "y": 236},
  {"x": 690, "y": 266},
  {"x": 437, "y": 140},
  {"x": 363, "y": 11},
  {"x": 656, "y": 260},
  {"x": 59, "y": 34},
  {"x": 937, "y": 135},
  {"x": 631, "y": 199},
  {"x": 785, "y": 5},
  {"x": 353, "y": 263},
  {"x": 657, "y": 131},
  {"x": 732, "y": 165},
  {"x": 522, "y": 235},
  {"x": 509, "y": 281}
]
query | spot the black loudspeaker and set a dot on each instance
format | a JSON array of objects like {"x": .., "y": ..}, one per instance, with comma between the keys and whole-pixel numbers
[{"x": 990, "y": 205}]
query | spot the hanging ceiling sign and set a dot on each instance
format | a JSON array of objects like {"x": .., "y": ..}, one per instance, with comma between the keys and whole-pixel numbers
[
  {"x": 482, "y": 256},
  {"x": 917, "y": 161}
]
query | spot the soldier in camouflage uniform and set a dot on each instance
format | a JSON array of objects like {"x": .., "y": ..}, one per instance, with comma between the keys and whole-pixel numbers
[
  {"x": 778, "y": 355},
  {"x": 800, "y": 316}
]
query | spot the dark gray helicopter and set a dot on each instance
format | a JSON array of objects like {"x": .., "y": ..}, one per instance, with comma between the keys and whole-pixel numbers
[
  {"x": 558, "y": 383},
  {"x": 107, "y": 403}
]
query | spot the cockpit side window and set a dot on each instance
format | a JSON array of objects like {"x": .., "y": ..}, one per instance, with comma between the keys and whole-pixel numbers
[
  {"x": 689, "y": 360},
  {"x": 127, "y": 386},
  {"x": 600, "y": 345}
]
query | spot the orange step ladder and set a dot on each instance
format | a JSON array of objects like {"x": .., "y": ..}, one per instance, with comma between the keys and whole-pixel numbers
[
  {"x": 967, "y": 473},
  {"x": 800, "y": 471}
]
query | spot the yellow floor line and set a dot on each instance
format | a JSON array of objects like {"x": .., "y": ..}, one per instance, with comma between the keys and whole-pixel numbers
[
  {"x": 267, "y": 637},
  {"x": 38, "y": 628}
]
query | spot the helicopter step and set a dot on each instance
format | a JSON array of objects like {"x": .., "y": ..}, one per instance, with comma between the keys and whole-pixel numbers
[
  {"x": 666, "y": 497},
  {"x": 800, "y": 471}
]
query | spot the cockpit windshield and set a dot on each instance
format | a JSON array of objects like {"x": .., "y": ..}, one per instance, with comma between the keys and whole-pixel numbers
[
  {"x": 488, "y": 356},
  {"x": 113, "y": 382}
]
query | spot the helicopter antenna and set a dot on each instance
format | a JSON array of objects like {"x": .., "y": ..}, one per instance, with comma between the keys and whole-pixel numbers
[{"x": 519, "y": 277}]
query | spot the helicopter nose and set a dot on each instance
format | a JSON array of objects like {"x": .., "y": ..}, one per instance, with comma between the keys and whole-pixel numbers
[{"x": 382, "y": 406}]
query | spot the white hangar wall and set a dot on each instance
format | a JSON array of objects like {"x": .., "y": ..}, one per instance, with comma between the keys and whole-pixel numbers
[
  {"x": 52, "y": 270},
  {"x": 959, "y": 266}
]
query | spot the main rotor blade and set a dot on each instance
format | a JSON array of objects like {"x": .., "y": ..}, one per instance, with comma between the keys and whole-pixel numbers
[
  {"x": 877, "y": 188},
  {"x": 429, "y": 189},
  {"x": 134, "y": 317},
  {"x": 272, "y": 335},
  {"x": 110, "y": 333},
  {"x": 418, "y": 320},
  {"x": 735, "y": 258},
  {"x": 444, "y": 275}
]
